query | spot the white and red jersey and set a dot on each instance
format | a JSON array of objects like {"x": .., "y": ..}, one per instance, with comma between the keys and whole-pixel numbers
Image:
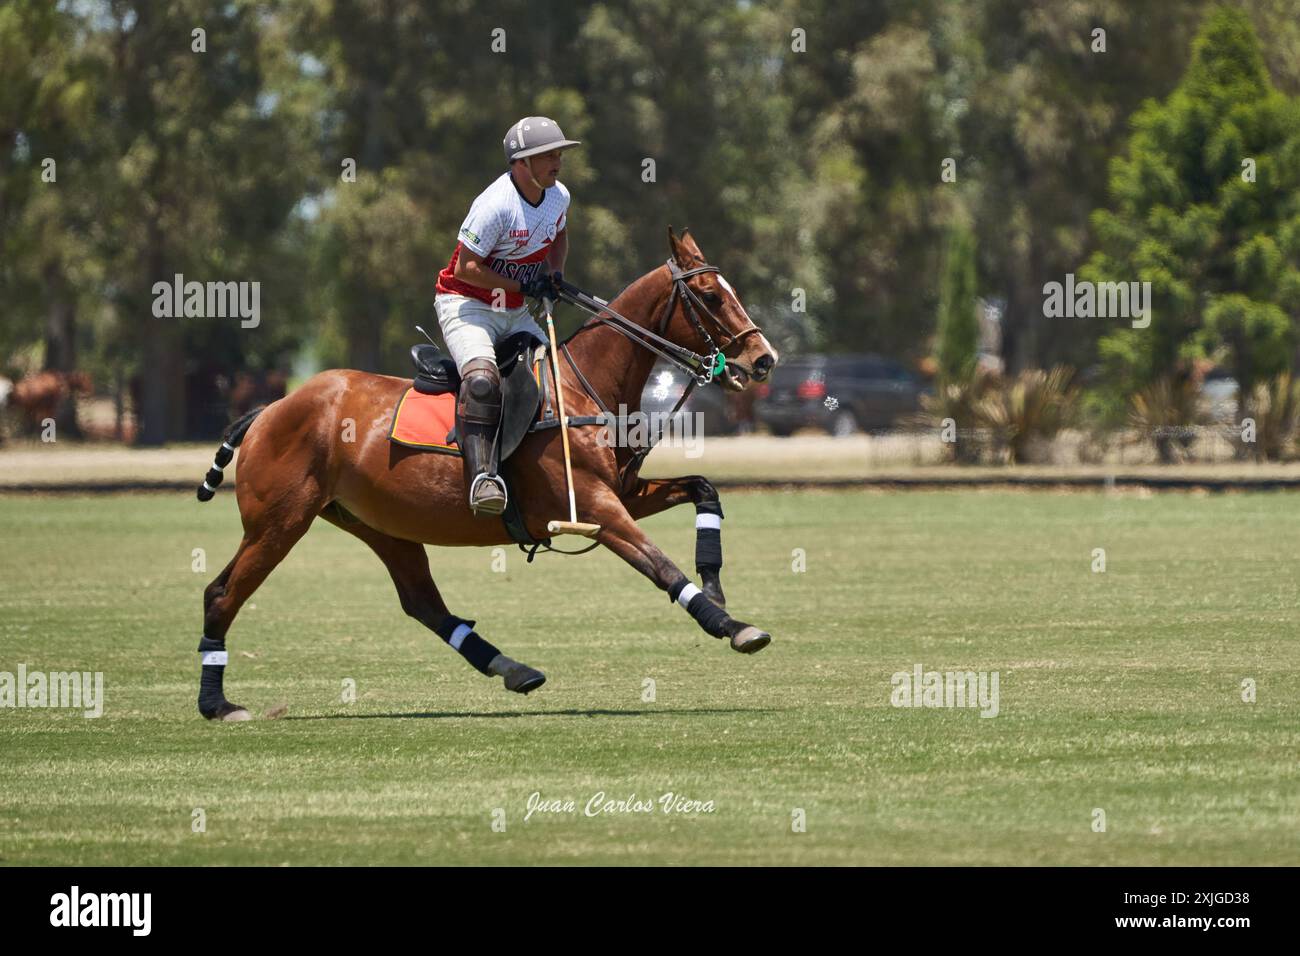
[{"x": 511, "y": 234}]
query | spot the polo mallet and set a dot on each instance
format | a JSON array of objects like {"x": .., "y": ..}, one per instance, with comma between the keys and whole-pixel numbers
[{"x": 573, "y": 525}]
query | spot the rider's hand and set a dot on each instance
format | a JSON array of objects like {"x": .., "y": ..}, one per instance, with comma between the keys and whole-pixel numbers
[
  {"x": 538, "y": 287},
  {"x": 557, "y": 279}
]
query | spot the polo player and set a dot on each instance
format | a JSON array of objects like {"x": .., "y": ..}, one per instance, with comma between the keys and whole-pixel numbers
[{"x": 512, "y": 244}]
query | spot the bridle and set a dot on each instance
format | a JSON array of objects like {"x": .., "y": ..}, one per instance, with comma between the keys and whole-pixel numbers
[
  {"x": 692, "y": 301},
  {"x": 702, "y": 367}
]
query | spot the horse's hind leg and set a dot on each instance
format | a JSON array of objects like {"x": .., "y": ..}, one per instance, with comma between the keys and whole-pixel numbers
[
  {"x": 259, "y": 552},
  {"x": 408, "y": 566}
]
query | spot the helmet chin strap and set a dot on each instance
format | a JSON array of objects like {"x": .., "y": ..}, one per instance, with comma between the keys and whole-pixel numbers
[{"x": 528, "y": 165}]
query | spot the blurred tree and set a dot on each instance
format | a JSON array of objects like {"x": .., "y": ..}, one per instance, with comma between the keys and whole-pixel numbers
[
  {"x": 47, "y": 181},
  {"x": 803, "y": 140},
  {"x": 209, "y": 165},
  {"x": 871, "y": 127},
  {"x": 1046, "y": 108},
  {"x": 1206, "y": 207},
  {"x": 957, "y": 339}
]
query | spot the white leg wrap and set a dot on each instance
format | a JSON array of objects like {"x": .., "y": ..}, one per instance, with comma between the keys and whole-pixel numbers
[
  {"x": 216, "y": 657},
  {"x": 458, "y": 636},
  {"x": 688, "y": 592},
  {"x": 708, "y": 521}
]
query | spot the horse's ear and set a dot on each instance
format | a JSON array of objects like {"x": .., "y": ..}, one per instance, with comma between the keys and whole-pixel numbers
[
  {"x": 688, "y": 251},
  {"x": 675, "y": 247}
]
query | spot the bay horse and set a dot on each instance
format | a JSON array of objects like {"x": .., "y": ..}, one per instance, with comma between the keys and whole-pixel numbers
[{"x": 295, "y": 466}]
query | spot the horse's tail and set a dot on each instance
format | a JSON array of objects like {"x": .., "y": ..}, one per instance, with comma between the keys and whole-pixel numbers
[{"x": 229, "y": 442}]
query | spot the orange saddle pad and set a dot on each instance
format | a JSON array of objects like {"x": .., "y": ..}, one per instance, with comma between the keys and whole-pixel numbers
[{"x": 423, "y": 421}]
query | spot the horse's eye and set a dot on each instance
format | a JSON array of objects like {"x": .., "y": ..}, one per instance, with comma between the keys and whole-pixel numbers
[{"x": 712, "y": 298}]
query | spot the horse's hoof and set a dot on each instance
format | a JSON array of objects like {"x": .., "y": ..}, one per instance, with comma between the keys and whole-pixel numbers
[
  {"x": 750, "y": 640},
  {"x": 231, "y": 713},
  {"x": 522, "y": 679},
  {"x": 527, "y": 684}
]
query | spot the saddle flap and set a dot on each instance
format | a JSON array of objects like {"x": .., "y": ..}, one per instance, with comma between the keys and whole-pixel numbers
[{"x": 521, "y": 395}]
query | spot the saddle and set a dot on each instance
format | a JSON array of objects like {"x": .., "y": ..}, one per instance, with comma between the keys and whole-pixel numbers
[
  {"x": 426, "y": 411},
  {"x": 518, "y": 358}
]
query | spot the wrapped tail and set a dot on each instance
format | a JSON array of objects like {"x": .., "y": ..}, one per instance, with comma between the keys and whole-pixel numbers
[{"x": 229, "y": 442}]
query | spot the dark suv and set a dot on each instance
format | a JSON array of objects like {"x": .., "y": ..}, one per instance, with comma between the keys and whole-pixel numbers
[{"x": 840, "y": 394}]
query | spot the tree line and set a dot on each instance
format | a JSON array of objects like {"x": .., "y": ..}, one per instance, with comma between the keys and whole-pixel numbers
[{"x": 831, "y": 157}]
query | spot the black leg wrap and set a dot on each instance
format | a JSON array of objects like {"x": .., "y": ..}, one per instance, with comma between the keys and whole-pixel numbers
[
  {"x": 710, "y": 617},
  {"x": 447, "y": 626},
  {"x": 708, "y": 549},
  {"x": 211, "y": 693},
  {"x": 478, "y": 652},
  {"x": 708, "y": 541},
  {"x": 473, "y": 648},
  {"x": 701, "y": 607}
]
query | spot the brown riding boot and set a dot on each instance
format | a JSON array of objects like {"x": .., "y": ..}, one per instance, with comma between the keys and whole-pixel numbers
[
  {"x": 487, "y": 491},
  {"x": 478, "y": 413}
]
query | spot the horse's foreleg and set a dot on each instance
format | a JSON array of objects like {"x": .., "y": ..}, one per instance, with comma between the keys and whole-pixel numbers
[
  {"x": 620, "y": 534},
  {"x": 653, "y": 495},
  {"x": 408, "y": 566}
]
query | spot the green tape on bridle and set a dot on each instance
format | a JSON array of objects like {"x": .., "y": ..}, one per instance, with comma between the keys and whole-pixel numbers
[{"x": 716, "y": 366}]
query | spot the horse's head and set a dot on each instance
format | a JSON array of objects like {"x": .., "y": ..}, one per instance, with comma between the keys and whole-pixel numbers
[{"x": 711, "y": 315}]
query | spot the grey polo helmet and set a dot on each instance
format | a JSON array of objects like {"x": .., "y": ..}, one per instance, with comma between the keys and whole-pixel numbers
[{"x": 533, "y": 135}]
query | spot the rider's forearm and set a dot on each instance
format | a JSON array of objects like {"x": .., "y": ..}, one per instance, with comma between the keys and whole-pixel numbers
[{"x": 477, "y": 274}]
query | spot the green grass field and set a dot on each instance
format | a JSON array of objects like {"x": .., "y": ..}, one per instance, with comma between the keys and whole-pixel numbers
[{"x": 1118, "y": 690}]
